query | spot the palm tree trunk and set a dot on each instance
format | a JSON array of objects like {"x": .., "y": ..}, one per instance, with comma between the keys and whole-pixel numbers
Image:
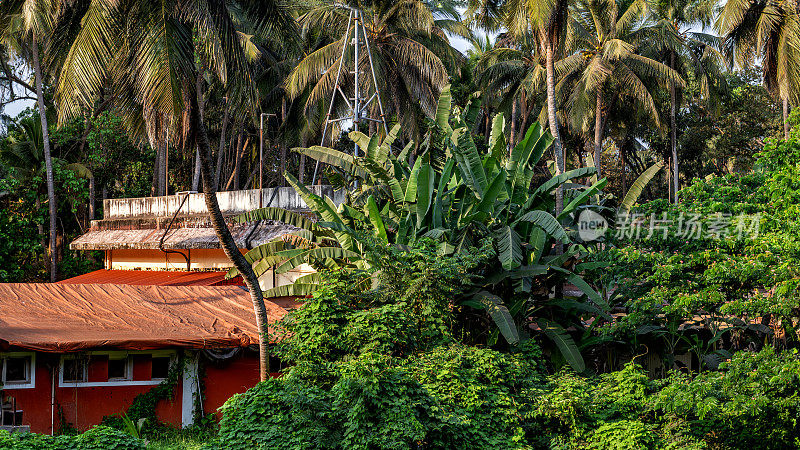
[
  {"x": 302, "y": 170},
  {"x": 673, "y": 136},
  {"x": 92, "y": 195},
  {"x": 283, "y": 142},
  {"x": 786, "y": 117},
  {"x": 226, "y": 239},
  {"x": 513, "y": 135},
  {"x": 162, "y": 171},
  {"x": 221, "y": 151},
  {"x": 154, "y": 190},
  {"x": 558, "y": 150},
  {"x": 196, "y": 177},
  {"x": 598, "y": 131},
  {"x": 622, "y": 171},
  {"x": 237, "y": 163},
  {"x": 48, "y": 162},
  {"x": 524, "y": 113},
  {"x": 488, "y": 127}
]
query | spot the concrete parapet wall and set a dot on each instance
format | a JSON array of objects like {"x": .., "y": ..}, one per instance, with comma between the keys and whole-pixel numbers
[{"x": 230, "y": 202}]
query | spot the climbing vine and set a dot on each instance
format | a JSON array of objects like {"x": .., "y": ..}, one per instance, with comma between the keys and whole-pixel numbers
[{"x": 144, "y": 405}]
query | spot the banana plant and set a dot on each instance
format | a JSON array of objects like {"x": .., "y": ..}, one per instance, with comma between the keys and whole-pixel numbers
[{"x": 460, "y": 198}]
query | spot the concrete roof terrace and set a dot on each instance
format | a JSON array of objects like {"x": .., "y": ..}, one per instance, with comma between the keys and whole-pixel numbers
[{"x": 140, "y": 223}]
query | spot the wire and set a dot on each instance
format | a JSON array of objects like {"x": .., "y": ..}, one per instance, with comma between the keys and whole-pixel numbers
[{"x": 169, "y": 226}]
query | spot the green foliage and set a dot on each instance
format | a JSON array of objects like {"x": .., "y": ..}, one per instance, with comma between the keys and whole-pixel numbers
[
  {"x": 140, "y": 417},
  {"x": 460, "y": 197},
  {"x": 622, "y": 435},
  {"x": 376, "y": 362},
  {"x": 751, "y": 402},
  {"x": 97, "y": 438},
  {"x": 381, "y": 367},
  {"x": 714, "y": 294}
]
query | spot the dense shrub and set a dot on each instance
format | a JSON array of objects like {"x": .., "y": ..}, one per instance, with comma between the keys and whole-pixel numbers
[
  {"x": 98, "y": 438},
  {"x": 752, "y": 401},
  {"x": 381, "y": 368}
]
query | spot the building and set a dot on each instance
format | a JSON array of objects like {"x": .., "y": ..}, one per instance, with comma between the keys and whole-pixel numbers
[{"x": 81, "y": 349}]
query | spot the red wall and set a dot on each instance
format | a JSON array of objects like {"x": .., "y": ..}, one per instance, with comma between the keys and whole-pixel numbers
[
  {"x": 224, "y": 379},
  {"x": 84, "y": 407}
]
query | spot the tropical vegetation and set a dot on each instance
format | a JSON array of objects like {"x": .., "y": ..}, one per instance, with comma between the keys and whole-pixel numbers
[{"x": 457, "y": 300}]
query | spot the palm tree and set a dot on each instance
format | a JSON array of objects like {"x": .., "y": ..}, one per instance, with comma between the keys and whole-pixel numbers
[
  {"x": 509, "y": 76},
  {"x": 548, "y": 19},
  {"x": 545, "y": 22},
  {"x": 609, "y": 41},
  {"x": 23, "y": 25},
  {"x": 155, "y": 56},
  {"x": 410, "y": 53},
  {"x": 689, "y": 53},
  {"x": 769, "y": 31}
]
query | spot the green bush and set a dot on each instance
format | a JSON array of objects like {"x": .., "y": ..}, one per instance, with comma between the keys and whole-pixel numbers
[
  {"x": 623, "y": 435},
  {"x": 381, "y": 368},
  {"x": 450, "y": 397},
  {"x": 97, "y": 438},
  {"x": 752, "y": 401}
]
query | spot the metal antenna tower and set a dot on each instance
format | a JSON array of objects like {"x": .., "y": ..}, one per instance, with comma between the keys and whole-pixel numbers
[{"x": 357, "y": 105}]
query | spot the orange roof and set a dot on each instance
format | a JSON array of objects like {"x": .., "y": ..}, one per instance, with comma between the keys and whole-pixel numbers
[
  {"x": 76, "y": 317},
  {"x": 153, "y": 278}
]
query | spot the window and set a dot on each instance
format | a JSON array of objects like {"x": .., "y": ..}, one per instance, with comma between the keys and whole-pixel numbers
[
  {"x": 16, "y": 370},
  {"x": 101, "y": 368},
  {"x": 160, "y": 367},
  {"x": 74, "y": 370},
  {"x": 118, "y": 369}
]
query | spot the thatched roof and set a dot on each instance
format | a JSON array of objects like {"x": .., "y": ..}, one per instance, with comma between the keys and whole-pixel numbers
[{"x": 247, "y": 236}]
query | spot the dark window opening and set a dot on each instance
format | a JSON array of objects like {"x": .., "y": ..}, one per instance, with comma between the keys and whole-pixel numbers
[
  {"x": 18, "y": 369},
  {"x": 74, "y": 370},
  {"x": 118, "y": 369},
  {"x": 160, "y": 367}
]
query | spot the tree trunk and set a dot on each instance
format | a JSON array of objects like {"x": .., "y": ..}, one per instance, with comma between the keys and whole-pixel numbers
[
  {"x": 524, "y": 113},
  {"x": 786, "y": 117},
  {"x": 283, "y": 143},
  {"x": 513, "y": 135},
  {"x": 233, "y": 181},
  {"x": 237, "y": 163},
  {"x": 558, "y": 151},
  {"x": 92, "y": 194},
  {"x": 48, "y": 162},
  {"x": 202, "y": 106},
  {"x": 166, "y": 164},
  {"x": 488, "y": 127},
  {"x": 154, "y": 189},
  {"x": 302, "y": 170},
  {"x": 226, "y": 239},
  {"x": 673, "y": 136},
  {"x": 162, "y": 170},
  {"x": 598, "y": 132},
  {"x": 221, "y": 151},
  {"x": 622, "y": 171}
]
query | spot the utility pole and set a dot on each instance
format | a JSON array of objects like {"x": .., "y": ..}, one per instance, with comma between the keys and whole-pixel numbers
[{"x": 357, "y": 105}]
